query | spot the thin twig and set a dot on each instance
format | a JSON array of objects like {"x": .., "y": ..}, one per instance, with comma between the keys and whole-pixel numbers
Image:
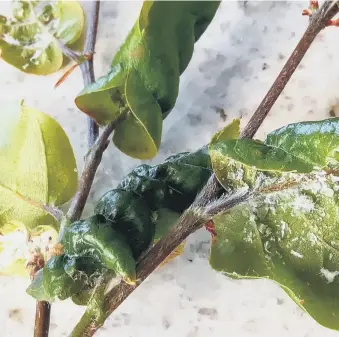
[
  {"x": 92, "y": 162},
  {"x": 43, "y": 309},
  {"x": 42, "y": 319},
  {"x": 54, "y": 211},
  {"x": 192, "y": 219},
  {"x": 317, "y": 23},
  {"x": 189, "y": 222},
  {"x": 72, "y": 54},
  {"x": 87, "y": 67},
  {"x": 96, "y": 145}
]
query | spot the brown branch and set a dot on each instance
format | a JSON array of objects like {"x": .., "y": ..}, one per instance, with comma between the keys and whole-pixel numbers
[
  {"x": 87, "y": 67},
  {"x": 96, "y": 145},
  {"x": 92, "y": 161},
  {"x": 196, "y": 215},
  {"x": 191, "y": 220},
  {"x": 42, "y": 319},
  {"x": 43, "y": 309},
  {"x": 318, "y": 22},
  {"x": 85, "y": 61}
]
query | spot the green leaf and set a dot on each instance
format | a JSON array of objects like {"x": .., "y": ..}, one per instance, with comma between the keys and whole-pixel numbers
[
  {"x": 37, "y": 290},
  {"x": 164, "y": 219},
  {"x": 52, "y": 282},
  {"x": 59, "y": 284},
  {"x": 230, "y": 131},
  {"x": 316, "y": 142},
  {"x": 95, "y": 237},
  {"x": 143, "y": 80},
  {"x": 101, "y": 100},
  {"x": 257, "y": 155},
  {"x": 185, "y": 173},
  {"x": 148, "y": 200},
  {"x": 130, "y": 216},
  {"x": 231, "y": 174},
  {"x": 139, "y": 134},
  {"x": 301, "y": 147},
  {"x": 288, "y": 233},
  {"x": 37, "y": 169},
  {"x": 30, "y": 41}
]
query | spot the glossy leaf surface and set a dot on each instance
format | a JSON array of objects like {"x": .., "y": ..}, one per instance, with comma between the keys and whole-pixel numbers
[{"x": 143, "y": 81}]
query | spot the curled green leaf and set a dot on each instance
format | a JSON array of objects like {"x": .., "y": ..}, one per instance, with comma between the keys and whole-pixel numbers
[
  {"x": 102, "y": 100},
  {"x": 139, "y": 133},
  {"x": 64, "y": 276},
  {"x": 57, "y": 283},
  {"x": 143, "y": 81},
  {"x": 30, "y": 40},
  {"x": 128, "y": 220},
  {"x": 94, "y": 237},
  {"x": 129, "y": 215}
]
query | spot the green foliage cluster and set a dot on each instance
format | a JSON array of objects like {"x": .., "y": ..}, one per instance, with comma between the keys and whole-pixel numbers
[
  {"x": 143, "y": 81},
  {"x": 286, "y": 230},
  {"x": 126, "y": 222}
]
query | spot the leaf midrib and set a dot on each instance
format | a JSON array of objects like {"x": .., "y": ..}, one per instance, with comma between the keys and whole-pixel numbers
[{"x": 23, "y": 198}]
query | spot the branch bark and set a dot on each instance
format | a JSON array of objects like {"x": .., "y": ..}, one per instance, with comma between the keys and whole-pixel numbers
[
  {"x": 196, "y": 216},
  {"x": 92, "y": 162},
  {"x": 42, "y": 318},
  {"x": 87, "y": 67},
  {"x": 317, "y": 23},
  {"x": 43, "y": 309}
]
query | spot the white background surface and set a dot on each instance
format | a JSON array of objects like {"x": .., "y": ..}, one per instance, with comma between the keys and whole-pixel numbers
[{"x": 234, "y": 64}]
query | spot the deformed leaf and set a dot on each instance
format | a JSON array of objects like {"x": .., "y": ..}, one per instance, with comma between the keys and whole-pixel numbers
[
  {"x": 37, "y": 169},
  {"x": 56, "y": 282},
  {"x": 30, "y": 40},
  {"x": 52, "y": 282},
  {"x": 129, "y": 215},
  {"x": 287, "y": 233},
  {"x": 95, "y": 237}
]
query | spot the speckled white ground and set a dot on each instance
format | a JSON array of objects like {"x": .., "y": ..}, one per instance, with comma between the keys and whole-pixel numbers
[{"x": 233, "y": 66}]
